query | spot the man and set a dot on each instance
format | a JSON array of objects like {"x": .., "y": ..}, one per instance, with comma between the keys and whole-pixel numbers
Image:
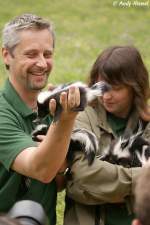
[
  {"x": 27, "y": 168},
  {"x": 142, "y": 198}
]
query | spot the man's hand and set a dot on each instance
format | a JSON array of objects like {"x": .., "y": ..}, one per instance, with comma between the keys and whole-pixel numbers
[{"x": 68, "y": 102}]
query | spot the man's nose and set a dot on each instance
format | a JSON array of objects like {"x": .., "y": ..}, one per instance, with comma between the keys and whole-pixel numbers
[{"x": 41, "y": 62}]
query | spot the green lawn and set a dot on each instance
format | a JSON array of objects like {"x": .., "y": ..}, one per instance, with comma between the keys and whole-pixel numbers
[{"x": 83, "y": 29}]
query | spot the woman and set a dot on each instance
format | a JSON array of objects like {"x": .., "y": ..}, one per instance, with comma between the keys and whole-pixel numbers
[{"x": 102, "y": 193}]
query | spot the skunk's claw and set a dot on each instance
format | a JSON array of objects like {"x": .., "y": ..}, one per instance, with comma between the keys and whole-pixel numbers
[{"x": 85, "y": 141}]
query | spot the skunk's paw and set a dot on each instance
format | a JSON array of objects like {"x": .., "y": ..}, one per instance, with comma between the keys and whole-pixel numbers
[
  {"x": 40, "y": 129},
  {"x": 86, "y": 141}
]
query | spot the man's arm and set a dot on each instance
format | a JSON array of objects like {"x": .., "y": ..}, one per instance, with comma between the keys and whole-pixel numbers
[{"x": 43, "y": 162}]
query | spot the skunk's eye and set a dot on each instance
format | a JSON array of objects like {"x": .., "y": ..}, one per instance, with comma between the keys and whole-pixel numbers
[{"x": 124, "y": 144}]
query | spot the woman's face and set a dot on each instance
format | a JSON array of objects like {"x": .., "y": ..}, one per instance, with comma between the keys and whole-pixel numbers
[{"x": 118, "y": 100}]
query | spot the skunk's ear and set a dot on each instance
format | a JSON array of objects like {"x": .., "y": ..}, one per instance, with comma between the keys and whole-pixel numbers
[
  {"x": 140, "y": 128},
  {"x": 125, "y": 138},
  {"x": 138, "y": 133}
]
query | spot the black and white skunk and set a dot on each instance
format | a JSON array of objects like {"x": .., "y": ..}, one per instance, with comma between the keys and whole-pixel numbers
[
  {"x": 87, "y": 95},
  {"x": 130, "y": 150}
]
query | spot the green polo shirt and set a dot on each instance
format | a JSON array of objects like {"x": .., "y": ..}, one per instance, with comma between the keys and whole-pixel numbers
[{"x": 16, "y": 125}]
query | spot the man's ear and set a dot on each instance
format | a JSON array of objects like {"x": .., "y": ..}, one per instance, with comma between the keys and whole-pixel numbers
[
  {"x": 6, "y": 56},
  {"x": 136, "y": 222}
]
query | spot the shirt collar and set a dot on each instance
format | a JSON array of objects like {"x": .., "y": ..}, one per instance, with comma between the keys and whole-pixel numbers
[{"x": 15, "y": 100}]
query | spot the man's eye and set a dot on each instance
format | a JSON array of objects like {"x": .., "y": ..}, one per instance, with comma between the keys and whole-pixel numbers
[
  {"x": 31, "y": 55},
  {"x": 48, "y": 55}
]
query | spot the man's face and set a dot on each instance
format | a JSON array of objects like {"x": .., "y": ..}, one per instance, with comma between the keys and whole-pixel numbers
[{"x": 31, "y": 60}]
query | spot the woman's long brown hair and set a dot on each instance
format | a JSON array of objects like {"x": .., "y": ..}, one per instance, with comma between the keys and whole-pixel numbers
[{"x": 124, "y": 65}]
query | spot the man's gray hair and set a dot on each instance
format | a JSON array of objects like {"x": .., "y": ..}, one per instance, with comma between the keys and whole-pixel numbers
[{"x": 10, "y": 37}]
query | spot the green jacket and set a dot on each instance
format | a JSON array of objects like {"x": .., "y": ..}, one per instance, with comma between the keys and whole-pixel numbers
[{"x": 101, "y": 183}]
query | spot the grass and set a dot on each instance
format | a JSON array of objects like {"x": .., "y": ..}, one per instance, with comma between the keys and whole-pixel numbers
[
  {"x": 83, "y": 29},
  {"x": 60, "y": 207}
]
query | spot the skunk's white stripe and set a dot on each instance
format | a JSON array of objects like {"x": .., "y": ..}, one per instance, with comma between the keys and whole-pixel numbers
[
  {"x": 119, "y": 151},
  {"x": 92, "y": 94},
  {"x": 142, "y": 157},
  {"x": 138, "y": 133},
  {"x": 40, "y": 127},
  {"x": 43, "y": 96},
  {"x": 83, "y": 138}
]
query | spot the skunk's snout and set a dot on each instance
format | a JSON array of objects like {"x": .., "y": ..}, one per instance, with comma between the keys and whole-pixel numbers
[
  {"x": 98, "y": 89},
  {"x": 102, "y": 86}
]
